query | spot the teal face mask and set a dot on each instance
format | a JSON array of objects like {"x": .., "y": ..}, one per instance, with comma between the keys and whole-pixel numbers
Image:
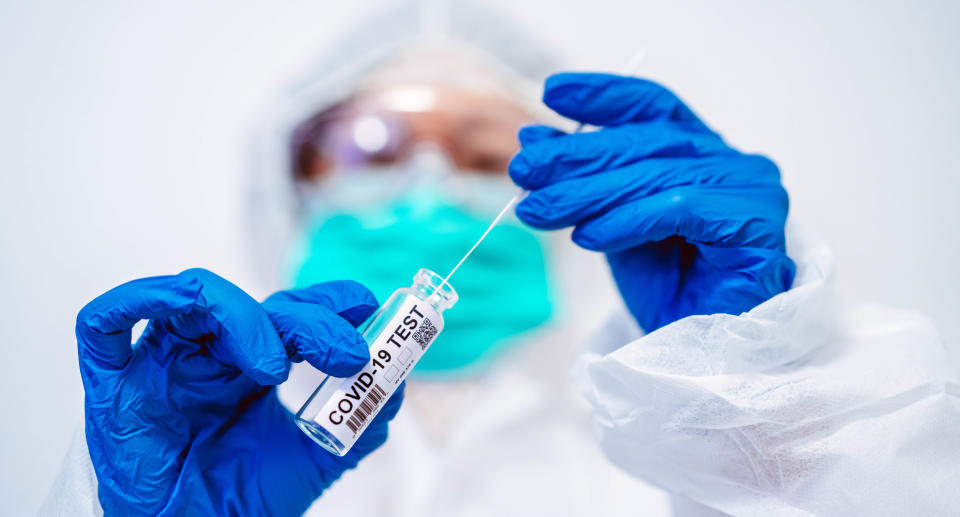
[{"x": 503, "y": 286}]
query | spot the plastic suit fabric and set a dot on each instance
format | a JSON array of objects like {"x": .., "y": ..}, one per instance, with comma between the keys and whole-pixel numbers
[{"x": 794, "y": 408}]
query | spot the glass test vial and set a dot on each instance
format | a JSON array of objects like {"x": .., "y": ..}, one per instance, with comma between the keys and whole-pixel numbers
[{"x": 398, "y": 334}]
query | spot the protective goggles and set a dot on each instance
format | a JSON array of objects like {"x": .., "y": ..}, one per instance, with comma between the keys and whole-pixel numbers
[{"x": 386, "y": 127}]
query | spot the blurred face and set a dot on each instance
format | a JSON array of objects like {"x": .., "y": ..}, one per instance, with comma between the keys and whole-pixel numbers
[
  {"x": 383, "y": 126},
  {"x": 386, "y": 207}
]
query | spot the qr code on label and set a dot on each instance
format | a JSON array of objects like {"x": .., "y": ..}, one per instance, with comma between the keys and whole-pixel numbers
[{"x": 425, "y": 333}]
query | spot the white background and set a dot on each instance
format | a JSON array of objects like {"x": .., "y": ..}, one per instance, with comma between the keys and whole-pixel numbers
[{"x": 122, "y": 130}]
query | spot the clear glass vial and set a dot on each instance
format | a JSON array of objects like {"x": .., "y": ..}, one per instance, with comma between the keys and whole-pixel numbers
[{"x": 398, "y": 335}]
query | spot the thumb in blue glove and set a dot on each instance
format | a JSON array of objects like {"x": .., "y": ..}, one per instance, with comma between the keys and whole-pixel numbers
[
  {"x": 187, "y": 421},
  {"x": 689, "y": 225}
]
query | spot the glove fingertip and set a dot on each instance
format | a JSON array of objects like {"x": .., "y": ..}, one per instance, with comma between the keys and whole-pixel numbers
[
  {"x": 154, "y": 296},
  {"x": 582, "y": 236},
  {"x": 566, "y": 92},
  {"x": 364, "y": 302},
  {"x": 537, "y": 211},
  {"x": 356, "y": 356},
  {"x": 562, "y": 80},
  {"x": 344, "y": 359},
  {"x": 194, "y": 277},
  {"x": 562, "y": 92},
  {"x": 528, "y": 214},
  {"x": 357, "y": 291},
  {"x": 270, "y": 371},
  {"x": 519, "y": 170},
  {"x": 357, "y": 314},
  {"x": 532, "y": 134}
]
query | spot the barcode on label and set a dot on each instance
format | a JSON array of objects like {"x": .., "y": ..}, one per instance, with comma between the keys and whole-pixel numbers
[
  {"x": 367, "y": 406},
  {"x": 425, "y": 333}
]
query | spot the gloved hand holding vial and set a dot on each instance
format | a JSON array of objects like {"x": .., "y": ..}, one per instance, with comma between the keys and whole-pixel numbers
[
  {"x": 399, "y": 334},
  {"x": 188, "y": 415}
]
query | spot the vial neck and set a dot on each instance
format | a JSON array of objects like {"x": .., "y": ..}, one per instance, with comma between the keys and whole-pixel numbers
[
  {"x": 431, "y": 288},
  {"x": 434, "y": 298}
]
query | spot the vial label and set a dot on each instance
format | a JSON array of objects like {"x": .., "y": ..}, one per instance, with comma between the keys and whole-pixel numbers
[{"x": 393, "y": 353}]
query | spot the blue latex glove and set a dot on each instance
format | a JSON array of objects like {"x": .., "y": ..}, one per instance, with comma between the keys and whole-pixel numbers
[
  {"x": 689, "y": 224},
  {"x": 187, "y": 421}
]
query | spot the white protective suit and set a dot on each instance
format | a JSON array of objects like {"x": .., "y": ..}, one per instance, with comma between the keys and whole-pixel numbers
[{"x": 798, "y": 407}]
